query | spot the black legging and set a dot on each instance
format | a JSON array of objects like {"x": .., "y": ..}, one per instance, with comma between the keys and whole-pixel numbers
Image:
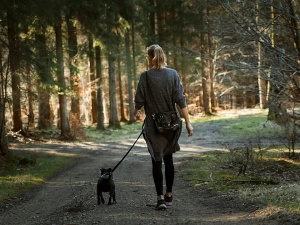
[{"x": 158, "y": 175}]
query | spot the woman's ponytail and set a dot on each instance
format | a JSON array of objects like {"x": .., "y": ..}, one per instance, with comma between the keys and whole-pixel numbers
[{"x": 157, "y": 56}]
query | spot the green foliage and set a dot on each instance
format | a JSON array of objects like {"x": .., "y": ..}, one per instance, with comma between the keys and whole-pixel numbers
[
  {"x": 114, "y": 134},
  {"x": 285, "y": 196},
  {"x": 250, "y": 126},
  {"x": 20, "y": 173},
  {"x": 269, "y": 182},
  {"x": 269, "y": 175}
]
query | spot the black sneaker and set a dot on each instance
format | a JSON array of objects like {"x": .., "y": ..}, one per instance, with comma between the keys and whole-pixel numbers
[
  {"x": 168, "y": 200},
  {"x": 161, "y": 204}
]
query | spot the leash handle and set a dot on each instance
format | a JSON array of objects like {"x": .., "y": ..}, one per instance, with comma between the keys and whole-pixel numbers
[{"x": 127, "y": 152}]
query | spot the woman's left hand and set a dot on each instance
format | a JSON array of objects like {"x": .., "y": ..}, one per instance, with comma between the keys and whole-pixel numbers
[{"x": 190, "y": 129}]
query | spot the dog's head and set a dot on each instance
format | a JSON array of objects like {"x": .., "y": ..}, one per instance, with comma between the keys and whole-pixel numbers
[{"x": 106, "y": 173}]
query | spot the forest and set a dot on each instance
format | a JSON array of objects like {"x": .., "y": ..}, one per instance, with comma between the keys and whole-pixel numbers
[{"x": 65, "y": 64}]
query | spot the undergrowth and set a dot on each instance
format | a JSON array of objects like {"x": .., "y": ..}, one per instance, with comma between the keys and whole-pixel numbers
[
  {"x": 255, "y": 164},
  {"x": 273, "y": 180},
  {"x": 20, "y": 173},
  {"x": 114, "y": 134}
]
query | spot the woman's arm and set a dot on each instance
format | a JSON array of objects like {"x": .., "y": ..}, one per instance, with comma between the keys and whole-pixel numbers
[{"x": 188, "y": 125}]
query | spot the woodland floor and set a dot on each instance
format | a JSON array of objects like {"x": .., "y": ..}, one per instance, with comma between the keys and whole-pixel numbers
[{"x": 70, "y": 196}]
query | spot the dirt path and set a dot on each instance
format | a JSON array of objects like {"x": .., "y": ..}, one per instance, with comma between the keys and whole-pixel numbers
[{"x": 70, "y": 197}]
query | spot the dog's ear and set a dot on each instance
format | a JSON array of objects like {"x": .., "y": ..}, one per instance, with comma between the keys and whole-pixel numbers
[{"x": 102, "y": 170}]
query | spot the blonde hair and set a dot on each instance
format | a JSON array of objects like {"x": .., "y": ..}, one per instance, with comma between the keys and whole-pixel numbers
[{"x": 157, "y": 56}]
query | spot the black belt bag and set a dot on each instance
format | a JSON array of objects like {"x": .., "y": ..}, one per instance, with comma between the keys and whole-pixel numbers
[{"x": 166, "y": 121}]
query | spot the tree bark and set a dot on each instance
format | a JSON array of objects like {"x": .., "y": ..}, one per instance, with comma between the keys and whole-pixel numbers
[
  {"x": 64, "y": 120},
  {"x": 3, "y": 138},
  {"x": 210, "y": 65},
  {"x": 92, "y": 79},
  {"x": 43, "y": 71},
  {"x": 262, "y": 86},
  {"x": 183, "y": 64},
  {"x": 122, "y": 109},
  {"x": 271, "y": 87},
  {"x": 205, "y": 77},
  {"x": 100, "y": 99},
  {"x": 14, "y": 62},
  {"x": 129, "y": 75},
  {"x": 45, "y": 120},
  {"x": 151, "y": 19},
  {"x": 133, "y": 54},
  {"x": 205, "y": 92},
  {"x": 30, "y": 94},
  {"x": 113, "y": 108},
  {"x": 160, "y": 23},
  {"x": 182, "y": 56},
  {"x": 294, "y": 25},
  {"x": 3, "y": 95},
  {"x": 74, "y": 79}
]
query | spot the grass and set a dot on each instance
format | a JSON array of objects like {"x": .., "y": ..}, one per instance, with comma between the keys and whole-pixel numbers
[
  {"x": 271, "y": 179},
  {"x": 210, "y": 170},
  {"x": 250, "y": 126},
  {"x": 18, "y": 174},
  {"x": 245, "y": 125},
  {"x": 262, "y": 182},
  {"x": 114, "y": 134},
  {"x": 285, "y": 196}
]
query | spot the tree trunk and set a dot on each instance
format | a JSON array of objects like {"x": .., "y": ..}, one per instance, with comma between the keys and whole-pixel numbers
[
  {"x": 174, "y": 39},
  {"x": 206, "y": 100},
  {"x": 92, "y": 79},
  {"x": 210, "y": 65},
  {"x": 129, "y": 75},
  {"x": 151, "y": 18},
  {"x": 262, "y": 86},
  {"x": 182, "y": 55},
  {"x": 160, "y": 22},
  {"x": 122, "y": 109},
  {"x": 64, "y": 120},
  {"x": 43, "y": 71},
  {"x": 205, "y": 92},
  {"x": 30, "y": 94},
  {"x": 175, "y": 54},
  {"x": 133, "y": 55},
  {"x": 294, "y": 25},
  {"x": 182, "y": 64},
  {"x": 14, "y": 62},
  {"x": 100, "y": 99},
  {"x": 272, "y": 104},
  {"x": 3, "y": 92},
  {"x": 45, "y": 120},
  {"x": 233, "y": 101},
  {"x": 74, "y": 79},
  {"x": 3, "y": 138},
  {"x": 113, "y": 108}
]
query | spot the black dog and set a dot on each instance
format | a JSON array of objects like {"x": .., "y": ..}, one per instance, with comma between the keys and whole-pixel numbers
[{"x": 106, "y": 184}]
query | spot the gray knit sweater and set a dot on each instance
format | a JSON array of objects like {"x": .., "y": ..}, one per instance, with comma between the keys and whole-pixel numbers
[{"x": 163, "y": 84}]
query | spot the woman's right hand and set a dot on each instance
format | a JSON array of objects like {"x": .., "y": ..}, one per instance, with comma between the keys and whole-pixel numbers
[
  {"x": 137, "y": 113},
  {"x": 189, "y": 129}
]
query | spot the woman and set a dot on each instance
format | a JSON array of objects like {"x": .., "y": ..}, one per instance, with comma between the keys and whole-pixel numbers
[{"x": 158, "y": 89}]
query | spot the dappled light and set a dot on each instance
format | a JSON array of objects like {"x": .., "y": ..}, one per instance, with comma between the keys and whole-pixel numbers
[
  {"x": 194, "y": 202},
  {"x": 73, "y": 103}
]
